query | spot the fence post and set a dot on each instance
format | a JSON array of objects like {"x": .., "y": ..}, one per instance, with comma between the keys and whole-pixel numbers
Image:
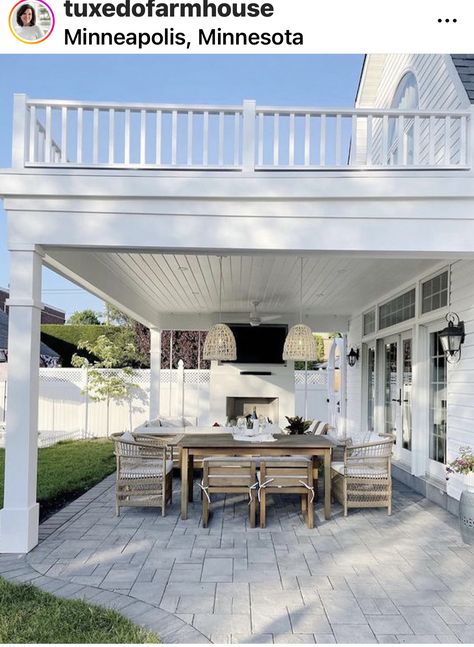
[
  {"x": 180, "y": 388},
  {"x": 86, "y": 401},
  {"x": 248, "y": 149}
]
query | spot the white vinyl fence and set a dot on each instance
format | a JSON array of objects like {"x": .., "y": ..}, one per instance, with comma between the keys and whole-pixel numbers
[{"x": 66, "y": 412}]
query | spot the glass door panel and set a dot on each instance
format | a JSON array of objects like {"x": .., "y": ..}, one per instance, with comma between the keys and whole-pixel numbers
[
  {"x": 407, "y": 377},
  {"x": 391, "y": 388},
  {"x": 371, "y": 388}
]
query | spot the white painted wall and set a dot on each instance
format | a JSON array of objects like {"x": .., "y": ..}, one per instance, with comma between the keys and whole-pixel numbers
[
  {"x": 461, "y": 375},
  {"x": 354, "y": 379}
]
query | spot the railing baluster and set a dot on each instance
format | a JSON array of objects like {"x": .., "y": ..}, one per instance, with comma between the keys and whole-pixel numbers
[
  {"x": 260, "y": 138},
  {"x": 307, "y": 139},
  {"x": 174, "y": 136},
  {"x": 126, "y": 155},
  {"x": 33, "y": 133},
  {"x": 236, "y": 138},
  {"x": 111, "y": 136},
  {"x": 80, "y": 127},
  {"x": 385, "y": 140},
  {"x": 189, "y": 141},
  {"x": 205, "y": 138},
  {"x": 431, "y": 153},
  {"x": 464, "y": 141},
  {"x": 47, "y": 142},
  {"x": 291, "y": 140},
  {"x": 276, "y": 139},
  {"x": 416, "y": 140},
  {"x": 220, "y": 159},
  {"x": 401, "y": 141},
  {"x": 142, "y": 136},
  {"x": 447, "y": 140},
  {"x": 158, "y": 138},
  {"x": 322, "y": 141},
  {"x": 354, "y": 150},
  {"x": 95, "y": 136},
  {"x": 63, "y": 156},
  {"x": 370, "y": 140},
  {"x": 338, "y": 140}
]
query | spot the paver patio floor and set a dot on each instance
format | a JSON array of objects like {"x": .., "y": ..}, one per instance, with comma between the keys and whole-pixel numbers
[{"x": 364, "y": 578}]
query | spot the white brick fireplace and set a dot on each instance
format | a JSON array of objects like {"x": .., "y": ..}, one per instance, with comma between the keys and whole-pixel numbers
[{"x": 271, "y": 389}]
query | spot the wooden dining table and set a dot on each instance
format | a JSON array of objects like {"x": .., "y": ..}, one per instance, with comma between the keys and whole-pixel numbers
[{"x": 223, "y": 444}]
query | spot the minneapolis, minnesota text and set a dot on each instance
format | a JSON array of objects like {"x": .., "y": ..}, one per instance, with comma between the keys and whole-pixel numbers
[{"x": 170, "y": 36}]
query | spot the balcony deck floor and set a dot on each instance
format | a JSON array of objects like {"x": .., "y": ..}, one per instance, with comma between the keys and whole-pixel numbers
[{"x": 365, "y": 578}]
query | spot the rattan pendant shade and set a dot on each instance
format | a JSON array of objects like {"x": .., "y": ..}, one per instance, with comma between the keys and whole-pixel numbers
[
  {"x": 300, "y": 344},
  {"x": 220, "y": 341}
]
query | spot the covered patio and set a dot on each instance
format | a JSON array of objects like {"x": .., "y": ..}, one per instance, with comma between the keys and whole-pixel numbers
[{"x": 364, "y": 578}]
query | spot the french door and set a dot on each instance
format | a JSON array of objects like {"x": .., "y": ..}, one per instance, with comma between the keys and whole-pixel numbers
[{"x": 397, "y": 396}]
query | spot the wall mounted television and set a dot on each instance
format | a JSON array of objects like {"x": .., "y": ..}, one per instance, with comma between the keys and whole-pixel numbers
[{"x": 259, "y": 344}]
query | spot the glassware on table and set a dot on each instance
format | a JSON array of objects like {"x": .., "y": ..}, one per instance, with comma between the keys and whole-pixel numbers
[
  {"x": 242, "y": 425},
  {"x": 262, "y": 423}
]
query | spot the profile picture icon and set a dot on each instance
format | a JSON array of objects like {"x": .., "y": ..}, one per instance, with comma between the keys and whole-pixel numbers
[{"x": 32, "y": 21}]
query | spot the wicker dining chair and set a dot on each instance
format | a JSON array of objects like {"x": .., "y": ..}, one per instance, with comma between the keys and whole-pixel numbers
[
  {"x": 363, "y": 479},
  {"x": 144, "y": 473},
  {"x": 229, "y": 475},
  {"x": 287, "y": 475}
]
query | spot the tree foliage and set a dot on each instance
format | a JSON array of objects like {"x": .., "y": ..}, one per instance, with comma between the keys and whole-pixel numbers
[{"x": 84, "y": 318}]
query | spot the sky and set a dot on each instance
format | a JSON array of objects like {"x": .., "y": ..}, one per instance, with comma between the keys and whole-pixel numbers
[{"x": 313, "y": 80}]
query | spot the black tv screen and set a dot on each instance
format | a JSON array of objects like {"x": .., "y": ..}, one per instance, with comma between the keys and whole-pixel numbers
[{"x": 259, "y": 344}]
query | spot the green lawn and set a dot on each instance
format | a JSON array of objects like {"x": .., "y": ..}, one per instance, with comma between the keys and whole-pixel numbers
[
  {"x": 67, "y": 470},
  {"x": 28, "y": 615}
]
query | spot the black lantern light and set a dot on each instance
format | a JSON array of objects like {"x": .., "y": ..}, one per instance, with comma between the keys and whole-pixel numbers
[
  {"x": 3, "y": 356},
  {"x": 452, "y": 337},
  {"x": 353, "y": 356}
]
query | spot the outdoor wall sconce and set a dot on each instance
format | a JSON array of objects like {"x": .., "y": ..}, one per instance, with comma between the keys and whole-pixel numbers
[
  {"x": 3, "y": 356},
  {"x": 452, "y": 337},
  {"x": 353, "y": 356}
]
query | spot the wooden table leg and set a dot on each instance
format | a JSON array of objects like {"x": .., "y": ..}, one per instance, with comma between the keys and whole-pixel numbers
[
  {"x": 190, "y": 476},
  {"x": 327, "y": 484},
  {"x": 184, "y": 482}
]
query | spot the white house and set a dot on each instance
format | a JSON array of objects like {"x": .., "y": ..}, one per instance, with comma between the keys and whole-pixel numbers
[{"x": 136, "y": 203}]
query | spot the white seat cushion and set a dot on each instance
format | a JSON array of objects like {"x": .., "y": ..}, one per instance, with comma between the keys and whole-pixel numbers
[
  {"x": 365, "y": 470},
  {"x": 127, "y": 437},
  {"x": 146, "y": 470}
]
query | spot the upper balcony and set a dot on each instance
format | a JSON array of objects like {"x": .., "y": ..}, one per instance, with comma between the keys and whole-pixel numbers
[{"x": 56, "y": 134}]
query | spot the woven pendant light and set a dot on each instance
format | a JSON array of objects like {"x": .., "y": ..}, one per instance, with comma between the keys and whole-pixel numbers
[
  {"x": 300, "y": 344},
  {"x": 220, "y": 341}
]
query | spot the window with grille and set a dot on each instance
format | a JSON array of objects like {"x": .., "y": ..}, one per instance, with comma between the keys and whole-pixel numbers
[
  {"x": 434, "y": 293},
  {"x": 397, "y": 310},
  {"x": 369, "y": 322}
]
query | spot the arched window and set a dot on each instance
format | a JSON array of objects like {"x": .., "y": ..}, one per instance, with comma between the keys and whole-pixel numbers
[{"x": 405, "y": 98}]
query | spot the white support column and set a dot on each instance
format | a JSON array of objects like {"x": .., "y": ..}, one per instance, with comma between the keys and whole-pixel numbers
[
  {"x": 19, "y": 519},
  {"x": 420, "y": 403},
  {"x": 155, "y": 369}
]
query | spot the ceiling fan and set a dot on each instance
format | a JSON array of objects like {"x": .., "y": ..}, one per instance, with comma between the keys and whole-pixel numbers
[{"x": 255, "y": 319}]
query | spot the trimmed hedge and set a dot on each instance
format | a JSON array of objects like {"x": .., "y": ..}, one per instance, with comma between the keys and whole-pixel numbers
[{"x": 65, "y": 338}]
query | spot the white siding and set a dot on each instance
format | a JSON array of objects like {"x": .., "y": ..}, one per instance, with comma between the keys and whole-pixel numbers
[
  {"x": 461, "y": 375},
  {"x": 439, "y": 88},
  {"x": 354, "y": 377}
]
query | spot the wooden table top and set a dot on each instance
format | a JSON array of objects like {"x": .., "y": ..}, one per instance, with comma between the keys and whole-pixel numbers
[{"x": 217, "y": 440}]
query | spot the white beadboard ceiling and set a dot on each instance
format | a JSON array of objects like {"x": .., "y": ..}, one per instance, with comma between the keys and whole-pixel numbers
[{"x": 332, "y": 284}]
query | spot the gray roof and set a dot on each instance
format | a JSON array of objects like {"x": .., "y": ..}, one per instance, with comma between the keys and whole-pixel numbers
[
  {"x": 464, "y": 64},
  {"x": 44, "y": 350}
]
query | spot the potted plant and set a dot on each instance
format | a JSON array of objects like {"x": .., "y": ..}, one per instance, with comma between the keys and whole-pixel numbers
[
  {"x": 297, "y": 425},
  {"x": 464, "y": 464}
]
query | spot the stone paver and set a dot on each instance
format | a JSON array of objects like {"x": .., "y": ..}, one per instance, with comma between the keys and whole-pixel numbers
[{"x": 365, "y": 578}]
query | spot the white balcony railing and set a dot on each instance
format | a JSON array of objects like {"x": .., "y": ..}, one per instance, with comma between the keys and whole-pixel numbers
[{"x": 236, "y": 138}]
